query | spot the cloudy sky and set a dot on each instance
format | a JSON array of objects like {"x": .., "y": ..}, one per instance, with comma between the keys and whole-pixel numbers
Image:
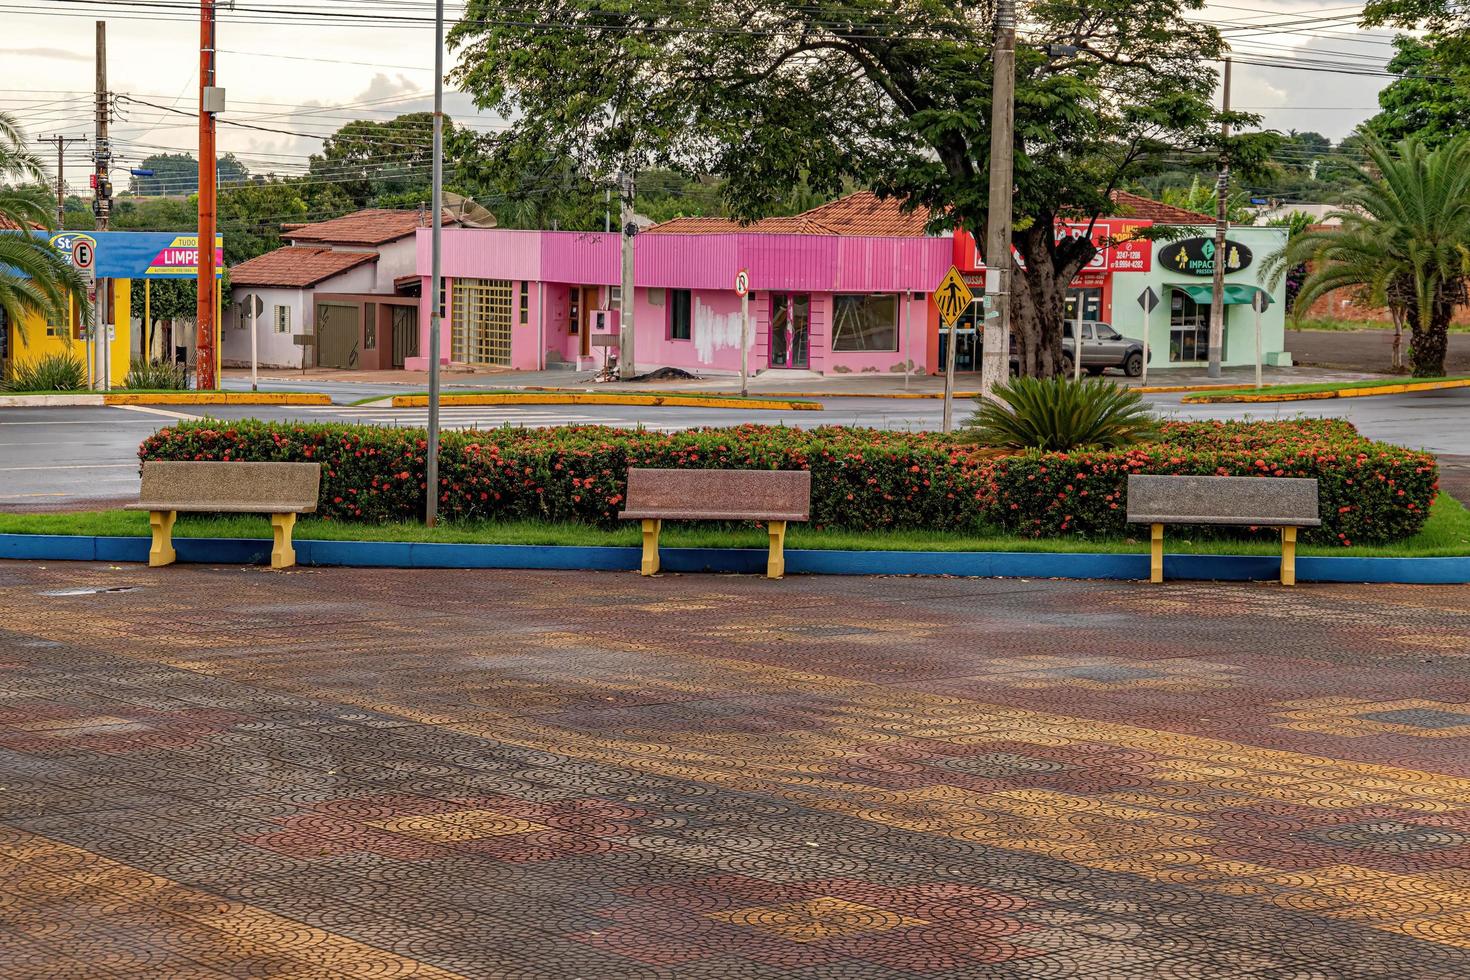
[{"x": 1301, "y": 64}]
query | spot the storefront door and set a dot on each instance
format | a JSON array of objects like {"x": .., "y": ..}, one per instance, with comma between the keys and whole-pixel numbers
[
  {"x": 1189, "y": 329},
  {"x": 791, "y": 318},
  {"x": 967, "y": 340}
]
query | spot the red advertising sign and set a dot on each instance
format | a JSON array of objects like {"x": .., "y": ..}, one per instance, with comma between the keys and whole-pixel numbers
[{"x": 1119, "y": 247}]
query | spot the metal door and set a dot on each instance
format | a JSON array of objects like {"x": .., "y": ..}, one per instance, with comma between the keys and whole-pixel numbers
[
  {"x": 790, "y": 330},
  {"x": 338, "y": 327},
  {"x": 405, "y": 334},
  {"x": 481, "y": 311}
]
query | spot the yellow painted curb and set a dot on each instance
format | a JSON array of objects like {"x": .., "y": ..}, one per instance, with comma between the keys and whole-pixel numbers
[
  {"x": 596, "y": 398},
  {"x": 1307, "y": 396},
  {"x": 217, "y": 398},
  {"x": 1147, "y": 389}
]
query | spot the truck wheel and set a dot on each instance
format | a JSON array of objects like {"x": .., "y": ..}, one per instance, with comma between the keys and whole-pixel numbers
[{"x": 1133, "y": 366}]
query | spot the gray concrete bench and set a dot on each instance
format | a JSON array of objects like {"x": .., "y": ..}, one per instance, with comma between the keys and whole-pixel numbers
[
  {"x": 772, "y": 496},
  {"x": 1287, "y": 503},
  {"x": 281, "y": 490}
]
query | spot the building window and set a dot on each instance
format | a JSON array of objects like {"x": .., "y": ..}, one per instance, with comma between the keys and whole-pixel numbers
[
  {"x": 369, "y": 326},
  {"x": 525, "y": 302},
  {"x": 481, "y": 315},
  {"x": 864, "y": 322},
  {"x": 283, "y": 319},
  {"x": 1091, "y": 297},
  {"x": 574, "y": 310},
  {"x": 680, "y": 303}
]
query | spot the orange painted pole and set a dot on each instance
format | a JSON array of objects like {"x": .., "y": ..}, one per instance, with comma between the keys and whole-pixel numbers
[{"x": 206, "y": 368}]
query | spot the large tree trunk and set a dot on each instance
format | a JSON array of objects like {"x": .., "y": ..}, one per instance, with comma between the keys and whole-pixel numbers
[
  {"x": 1039, "y": 293},
  {"x": 1427, "y": 346}
]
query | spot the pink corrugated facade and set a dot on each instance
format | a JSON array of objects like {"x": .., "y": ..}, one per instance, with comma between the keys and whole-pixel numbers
[{"x": 823, "y": 303}]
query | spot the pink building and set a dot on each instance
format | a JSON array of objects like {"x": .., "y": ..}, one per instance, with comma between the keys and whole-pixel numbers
[{"x": 841, "y": 288}]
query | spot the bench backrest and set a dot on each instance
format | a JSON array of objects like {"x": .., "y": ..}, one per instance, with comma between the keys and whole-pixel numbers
[
  {"x": 1251, "y": 500},
  {"x": 282, "y": 486},
  {"x": 717, "y": 493}
]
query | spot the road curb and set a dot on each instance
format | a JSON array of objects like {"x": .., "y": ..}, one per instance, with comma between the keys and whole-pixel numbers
[
  {"x": 1146, "y": 389},
  {"x": 600, "y": 398},
  {"x": 1308, "y": 396},
  {"x": 88, "y": 400},
  {"x": 972, "y": 564},
  {"x": 219, "y": 398}
]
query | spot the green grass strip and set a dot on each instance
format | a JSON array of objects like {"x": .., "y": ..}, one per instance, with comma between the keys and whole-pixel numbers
[{"x": 1445, "y": 534}]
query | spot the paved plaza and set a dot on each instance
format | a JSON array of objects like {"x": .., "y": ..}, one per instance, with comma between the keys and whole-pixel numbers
[{"x": 372, "y": 773}]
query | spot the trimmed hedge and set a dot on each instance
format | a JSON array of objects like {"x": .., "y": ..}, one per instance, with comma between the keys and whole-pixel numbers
[
  {"x": 1369, "y": 492},
  {"x": 862, "y": 479}
]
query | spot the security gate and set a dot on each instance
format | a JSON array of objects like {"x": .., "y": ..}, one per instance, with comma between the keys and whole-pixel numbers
[
  {"x": 405, "y": 333},
  {"x": 480, "y": 310},
  {"x": 337, "y": 330}
]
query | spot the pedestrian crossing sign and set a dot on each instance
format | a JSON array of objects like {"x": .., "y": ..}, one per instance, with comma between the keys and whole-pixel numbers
[{"x": 953, "y": 297}]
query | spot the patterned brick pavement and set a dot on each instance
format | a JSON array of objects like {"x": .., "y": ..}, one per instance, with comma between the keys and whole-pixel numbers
[{"x": 334, "y": 773}]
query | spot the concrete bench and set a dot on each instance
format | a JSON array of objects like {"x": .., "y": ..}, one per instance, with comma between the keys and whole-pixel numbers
[
  {"x": 281, "y": 490},
  {"x": 772, "y": 496},
  {"x": 1287, "y": 503}
]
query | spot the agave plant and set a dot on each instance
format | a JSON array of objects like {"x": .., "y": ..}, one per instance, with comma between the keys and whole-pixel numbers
[
  {"x": 34, "y": 279},
  {"x": 1061, "y": 414},
  {"x": 61, "y": 371}
]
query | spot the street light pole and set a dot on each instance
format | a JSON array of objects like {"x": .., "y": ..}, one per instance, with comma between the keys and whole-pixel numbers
[
  {"x": 997, "y": 324},
  {"x": 431, "y": 454},
  {"x": 1217, "y": 290}
]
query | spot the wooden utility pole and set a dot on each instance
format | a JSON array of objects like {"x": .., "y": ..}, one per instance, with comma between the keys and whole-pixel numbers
[
  {"x": 61, "y": 143},
  {"x": 206, "y": 369},
  {"x": 1222, "y": 194},
  {"x": 995, "y": 350}
]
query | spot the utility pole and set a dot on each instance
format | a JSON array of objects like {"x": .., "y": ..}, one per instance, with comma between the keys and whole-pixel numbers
[
  {"x": 102, "y": 209},
  {"x": 1222, "y": 192},
  {"x": 995, "y": 352},
  {"x": 626, "y": 370},
  {"x": 61, "y": 143},
  {"x": 211, "y": 101},
  {"x": 431, "y": 452}
]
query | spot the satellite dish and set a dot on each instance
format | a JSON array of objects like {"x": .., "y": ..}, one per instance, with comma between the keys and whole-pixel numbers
[{"x": 467, "y": 211}]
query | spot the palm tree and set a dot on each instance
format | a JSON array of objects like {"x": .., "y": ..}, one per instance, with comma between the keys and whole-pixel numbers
[
  {"x": 1404, "y": 242},
  {"x": 34, "y": 278}
]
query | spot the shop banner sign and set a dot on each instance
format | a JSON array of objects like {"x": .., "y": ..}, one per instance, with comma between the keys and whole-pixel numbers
[
  {"x": 1196, "y": 256},
  {"x": 142, "y": 254}
]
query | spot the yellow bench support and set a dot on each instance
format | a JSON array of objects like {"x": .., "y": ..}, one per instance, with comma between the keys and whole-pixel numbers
[
  {"x": 1156, "y": 554},
  {"x": 776, "y": 560},
  {"x": 161, "y": 552},
  {"x": 283, "y": 555},
  {"x": 650, "y": 546}
]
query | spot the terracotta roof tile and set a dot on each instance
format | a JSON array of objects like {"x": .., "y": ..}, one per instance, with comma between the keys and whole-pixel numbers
[
  {"x": 861, "y": 214},
  {"x": 296, "y": 266},
  {"x": 1138, "y": 206},
  {"x": 373, "y": 226},
  {"x": 7, "y": 225}
]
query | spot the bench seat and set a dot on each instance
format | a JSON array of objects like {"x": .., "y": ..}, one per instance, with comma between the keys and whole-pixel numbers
[
  {"x": 280, "y": 490},
  {"x": 774, "y": 497},
  {"x": 1287, "y": 503}
]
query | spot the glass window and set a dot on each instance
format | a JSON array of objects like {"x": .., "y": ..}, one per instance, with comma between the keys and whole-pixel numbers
[
  {"x": 1189, "y": 328},
  {"x": 1091, "y": 297},
  {"x": 525, "y": 302},
  {"x": 1105, "y": 331},
  {"x": 680, "y": 303},
  {"x": 574, "y": 310},
  {"x": 283, "y": 319},
  {"x": 370, "y": 326},
  {"x": 865, "y": 322}
]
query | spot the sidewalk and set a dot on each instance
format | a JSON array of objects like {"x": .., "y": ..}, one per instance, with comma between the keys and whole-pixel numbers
[{"x": 793, "y": 383}]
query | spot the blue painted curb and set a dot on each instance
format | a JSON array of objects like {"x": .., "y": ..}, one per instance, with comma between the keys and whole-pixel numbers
[{"x": 751, "y": 561}]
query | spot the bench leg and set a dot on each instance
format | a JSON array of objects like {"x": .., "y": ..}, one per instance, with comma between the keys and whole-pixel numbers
[
  {"x": 1156, "y": 554},
  {"x": 162, "y": 550},
  {"x": 282, "y": 554},
  {"x": 650, "y": 546},
  {"x": 1288, "y": 556},
  {"x": 776, "y": 561}
]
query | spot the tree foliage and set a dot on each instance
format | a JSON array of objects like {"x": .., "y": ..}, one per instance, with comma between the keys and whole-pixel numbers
[
  {"x": 1403, "y": 241},
  {"x": 178, "y": 174},
  {"x": 367, "y": 159},
  {"x": 895, "y": 94}
]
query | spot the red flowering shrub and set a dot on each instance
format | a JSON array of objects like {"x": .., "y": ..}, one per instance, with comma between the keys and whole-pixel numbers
[
  {"x": 1368, "y": 491},
  {"x": 862, "y": 479}
]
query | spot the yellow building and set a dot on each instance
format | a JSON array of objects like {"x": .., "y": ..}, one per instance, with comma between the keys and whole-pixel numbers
[{"x": 42, "y": 339}]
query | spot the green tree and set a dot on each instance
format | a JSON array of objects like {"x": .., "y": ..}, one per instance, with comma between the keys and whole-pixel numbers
[
  {"x": 366, "y": 159},
  {"x": 178, "y": 174},
  {"x": 1403, "y": 242},
  {"x": 34, "y": 278},
  {"x": 1202, "y": 198},
  {"x": 250, "y": 217},
  {"x": 1431, "y": 99},
  {"x": 894, "y": 94}
]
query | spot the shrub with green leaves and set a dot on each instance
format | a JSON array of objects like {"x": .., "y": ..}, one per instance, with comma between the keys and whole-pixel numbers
[
  {"x": 862, "y": 479},
  {"x": 156, "y": 376},
  {"x": 61, "y": 371},
  {"x": 1061, "y": 414}
]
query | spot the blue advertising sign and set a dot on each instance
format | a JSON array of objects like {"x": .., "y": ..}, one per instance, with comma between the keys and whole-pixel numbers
[{"x": 142, "y": 254}]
